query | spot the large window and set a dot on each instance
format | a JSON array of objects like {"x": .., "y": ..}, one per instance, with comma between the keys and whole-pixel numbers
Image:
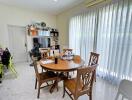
[
  {"x": 108, "y": 31},
  {"x": 82, "y": 34}
]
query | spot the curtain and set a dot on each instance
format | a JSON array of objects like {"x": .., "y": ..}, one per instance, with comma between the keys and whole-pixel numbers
[
  {"x": 114, "y": 41},
  {"x": 108, "y": 31},
  {"x": 81, "y": 34}
]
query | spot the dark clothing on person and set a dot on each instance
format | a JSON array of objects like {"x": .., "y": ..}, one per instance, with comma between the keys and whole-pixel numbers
[
  {"x": 5, "y": 57},
  {"x": 35, "y": 51}
]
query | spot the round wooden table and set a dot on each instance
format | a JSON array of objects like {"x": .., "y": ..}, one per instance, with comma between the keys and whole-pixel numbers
[{"x": 63, "y": 65}]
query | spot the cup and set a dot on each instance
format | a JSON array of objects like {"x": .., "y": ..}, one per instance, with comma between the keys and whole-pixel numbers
[{"x": 56, "y": 60}]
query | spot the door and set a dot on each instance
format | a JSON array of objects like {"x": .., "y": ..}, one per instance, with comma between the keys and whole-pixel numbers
[{"x": 17, "y": 43}]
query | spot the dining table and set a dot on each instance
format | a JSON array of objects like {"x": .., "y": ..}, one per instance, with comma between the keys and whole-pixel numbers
[{"x": 62, "y": 66}]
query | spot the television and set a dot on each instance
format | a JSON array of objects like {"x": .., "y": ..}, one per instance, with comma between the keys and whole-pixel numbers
[
  {"x": 43, "y": 33},
  {"x": 44, "y": 41}
]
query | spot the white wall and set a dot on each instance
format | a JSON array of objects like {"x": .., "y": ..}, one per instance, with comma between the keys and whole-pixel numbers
[
  {"x": 10, "y": 15},
  {"x": 63, "y": 23}
]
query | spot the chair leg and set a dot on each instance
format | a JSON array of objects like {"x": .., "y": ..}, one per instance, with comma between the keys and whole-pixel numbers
[
  {"x": 57, "y": 86},
  {"x": 116, "y": 98},
  {"x": 122, "y": 97},
  {"x": 12, "y": 68},
  {"x": 63, "y": 90},
  {"x": 36, "y": 83},
  {"x": 90, "y": 96},
  {"x": 95, "y": 76},
  {"x": 75, "y": 98},
  {"x": 38, "y": 91}
]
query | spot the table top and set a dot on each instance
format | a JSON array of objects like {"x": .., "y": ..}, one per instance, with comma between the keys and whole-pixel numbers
[{"x": 63, "y": 65}]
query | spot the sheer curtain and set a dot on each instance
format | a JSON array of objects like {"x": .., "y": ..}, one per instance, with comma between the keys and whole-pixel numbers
[
  {"x": 75, "y": 34},
  {"x": 114, "y": 41},
  {"x": 81, "y": 34},
  {"x": 108, "y": 30}
]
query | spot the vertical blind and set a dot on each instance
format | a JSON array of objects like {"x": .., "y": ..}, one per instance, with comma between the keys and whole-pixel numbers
[
  {"x": 81, "y": 37},
  {"x": 109, "y": 31}
]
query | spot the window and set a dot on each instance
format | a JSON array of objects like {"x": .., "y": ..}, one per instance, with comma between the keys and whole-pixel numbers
[
  {"x": 108, "y": 31},
  {"x": 81, "y": 35}
]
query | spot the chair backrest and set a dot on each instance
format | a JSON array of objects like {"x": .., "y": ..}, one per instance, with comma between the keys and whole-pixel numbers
[
  {"x": 125, "y": 90},
  {"x": 94, "y": 57},
  {"x": 77, "y": 59},
  {"x": 85, "y": 78},
  {"x": 45, "y": 52},
  {"x": 44, "y": 55},
  {"x": 36, "y": 69}
]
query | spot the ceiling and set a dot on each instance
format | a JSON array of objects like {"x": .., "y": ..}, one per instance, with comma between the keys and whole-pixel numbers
[{"x": 49, "y": 6}]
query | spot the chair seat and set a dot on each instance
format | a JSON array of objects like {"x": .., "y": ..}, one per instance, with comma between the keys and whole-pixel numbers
[
  {"x": 45, "y": 76},
  {"x": 70, "y": 84}
]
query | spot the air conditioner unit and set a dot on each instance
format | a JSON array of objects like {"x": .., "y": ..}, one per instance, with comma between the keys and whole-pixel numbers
[{"x": 90, "y": 3}]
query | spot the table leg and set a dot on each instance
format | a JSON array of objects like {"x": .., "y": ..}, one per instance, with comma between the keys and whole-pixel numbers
[
  {"x": 60, "y": 76},
  {"x": 55, "y": 85}
]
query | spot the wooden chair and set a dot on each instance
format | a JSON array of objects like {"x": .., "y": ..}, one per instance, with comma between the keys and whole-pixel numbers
[
  {"x": 45, "y": 53},
  {"x": 43, "y": 77},
  {"x": 94, "y": 57},
  {"x": 125, "y": 90},
  {"x": 77, "y": 59},
  {"x": 82, "y": 84},
  {"x": 93, "y": 61}
]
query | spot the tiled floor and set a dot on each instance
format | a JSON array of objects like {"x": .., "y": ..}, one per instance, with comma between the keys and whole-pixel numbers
[{"x": 22, "y": 88}]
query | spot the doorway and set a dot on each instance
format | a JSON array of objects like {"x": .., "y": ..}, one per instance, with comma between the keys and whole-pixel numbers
[{"x": 18, "y": 43}]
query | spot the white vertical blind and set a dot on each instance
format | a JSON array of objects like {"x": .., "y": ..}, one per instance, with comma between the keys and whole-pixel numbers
[
  {"x": 111, "y": 27},
  {"x": 81, "y": 34},
  {"x": 75, "y": 34},
  {"x": 114, "y": 40}
]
